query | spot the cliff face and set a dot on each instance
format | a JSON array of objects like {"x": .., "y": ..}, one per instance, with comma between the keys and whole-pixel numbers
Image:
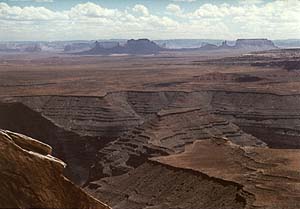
[
  {"x": 255, "y": 44},
  {"x": 270, "y": 175},
  {"x": 142, "y": 46},
  {"x": 66, "y": 145},
  {"x": 209, "y": 174},
  {"x": 156, "y": 186},
  {"x": 136, "y": 47},
  {"x": 31, "y": 178}
]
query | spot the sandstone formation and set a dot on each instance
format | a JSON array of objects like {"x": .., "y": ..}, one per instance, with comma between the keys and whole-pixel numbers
[
  {"x": 255, "y": 44},
  {"x": 274, "y": 119},
  {"x": 287, "y": 59},
  {"x": 209, "y": 47},
  {"x": 159, "y": 186},
  {"x": 167, "y": 133},
  {"x": 73, "y": 47},
  {"x": 133, "y": 126},
  {"x": 270, "y": 175},
  {"x": 212, "y": 173},
  {"x": 31, "y": 178},
  {"x": 33, "y": 49},
  {"x": 67, "y": 145},
  {"x": 136, "y": 47}
]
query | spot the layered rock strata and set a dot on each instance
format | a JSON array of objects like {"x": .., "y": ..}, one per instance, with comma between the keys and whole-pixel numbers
[
  {"x": 213, "y": 173},
  {"x": 31, "y": 178}
]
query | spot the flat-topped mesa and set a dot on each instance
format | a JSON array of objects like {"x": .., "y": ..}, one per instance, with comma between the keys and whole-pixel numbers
[
  {"x": 31, "y": 178},
  {"x": 256, "y": 44},
  {"x": 142, "y": 46},
  {"x": 136, "y": 47}
]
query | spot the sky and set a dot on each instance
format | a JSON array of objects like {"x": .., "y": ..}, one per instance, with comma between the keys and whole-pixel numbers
[{"x": 49, "y": 20}]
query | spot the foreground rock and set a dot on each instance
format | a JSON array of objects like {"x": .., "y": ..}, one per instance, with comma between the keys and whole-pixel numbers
[
  {"x": 77, "y": 151},
  {"x": 31, "y": 178}
]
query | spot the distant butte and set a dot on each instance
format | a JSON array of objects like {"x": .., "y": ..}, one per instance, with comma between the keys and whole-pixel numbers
[
  {"x": 140, "y": 46},
  {"x": 147, "y": 47}
]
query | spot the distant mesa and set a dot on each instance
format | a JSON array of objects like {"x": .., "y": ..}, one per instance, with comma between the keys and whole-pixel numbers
[
  {"x": 245, "y": 45},
  {"x": 209, "y": 47},
  {"x": 138, "y": 47},
  {"x": 77, "y": 47},
  {"x": 142, "y": 46},
  {"x": 108, "y": 44},
  {"x": 255, "y": 44},
  {"x": 147, "y": 47},
  {"x": 135, "y": 47},
  {"x": 32, "y": 49},
  {"x": 225, "y": 45},
  {"x": 249, "y": 45}
]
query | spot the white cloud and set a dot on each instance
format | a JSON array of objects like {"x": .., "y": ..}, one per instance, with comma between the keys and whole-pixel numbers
[
  {"x": 43, "y": 0},
  {"x": 40, "y": 1},
  {"x": 174, "y": 9},
  {"x": 276, "y": 19},
  {"x": 184, "y": 0},
  {"x": 211, "y": 10},
  {"x": 141, "y": 9},
  {"x": 28, "y": 13},
  {"x": 250, "y": 2},
  {"x": 91, "y": 10}
]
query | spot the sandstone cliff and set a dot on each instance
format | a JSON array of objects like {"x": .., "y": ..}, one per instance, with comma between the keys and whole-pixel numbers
[
  {"x": 255, "y": 44},
  {"x": 136, "y": 47},
  {"x": 31, "y": 178},
  {"x": 209, "y": 174}
]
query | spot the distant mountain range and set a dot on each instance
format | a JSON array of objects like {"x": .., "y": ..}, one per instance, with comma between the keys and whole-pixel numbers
[
  {"x": 194, "y": 43},
  {"x": 141, "y": 46},
  {"x": 145, "y": 46}
]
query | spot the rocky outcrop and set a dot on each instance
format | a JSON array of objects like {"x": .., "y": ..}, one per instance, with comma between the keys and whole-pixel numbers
[
  {"x": 142, "y": 46},
  {"x": 73, "y": 47},
  {"x": 77, "y": 151},
  {"x": 255, "y": 44},
  {"x": 209, "y": 47},
  {"x": 33, "y": 49},
  {"x": 225, "y": 46},
  {"x": 147, "y": 124},
  {"x": 273, "y": 118},
  {"x": 164, "y": 122},
  {"x": 166, "y": 133},
  {"x": 249, "y": 45},
  {"x": 270, "y": 175},
  {"x": 31, "y": 178},
  {"x": 135, "y": 47},
  {"x": 155, "y": 185},
  {"x": 106, "y": 117}
]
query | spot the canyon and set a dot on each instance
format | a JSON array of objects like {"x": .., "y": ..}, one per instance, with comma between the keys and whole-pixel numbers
[{"x": 173, "y": 130}]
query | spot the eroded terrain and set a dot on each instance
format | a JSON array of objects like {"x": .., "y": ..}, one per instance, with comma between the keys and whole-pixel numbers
[{"x": 112, "y": 118}]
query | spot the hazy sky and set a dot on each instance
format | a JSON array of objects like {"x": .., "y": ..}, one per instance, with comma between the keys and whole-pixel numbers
[{"x": 154, "y": 19}]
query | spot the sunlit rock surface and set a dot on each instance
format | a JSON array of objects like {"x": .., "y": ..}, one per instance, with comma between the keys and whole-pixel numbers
[{"x": 31, "y": 178}]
